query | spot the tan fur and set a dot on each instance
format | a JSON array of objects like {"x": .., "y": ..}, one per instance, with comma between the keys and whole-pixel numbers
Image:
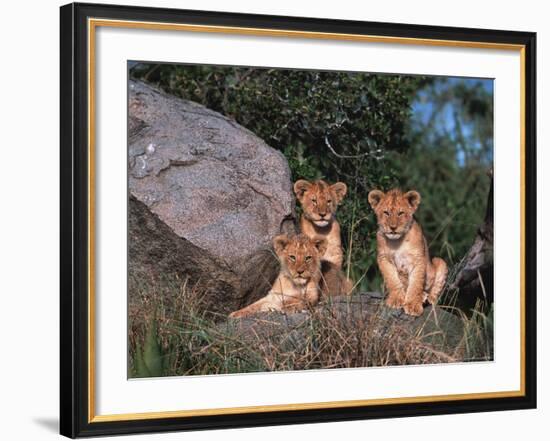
[
  {"x": 410, "y": 276},
  {"x": 334, "y": 282},
  {"x": 319, "y": 202},
  {"x": 297, "y": 285}
]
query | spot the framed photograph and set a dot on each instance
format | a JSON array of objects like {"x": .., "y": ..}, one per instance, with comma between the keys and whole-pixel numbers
[{"x": 274, "y": 220}]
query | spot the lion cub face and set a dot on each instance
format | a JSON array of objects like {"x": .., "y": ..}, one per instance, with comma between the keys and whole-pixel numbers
[
  {"x": 300, "y": 256},
  {"x": 394, "y": 211},
  {"x": 319, "y": 200}
]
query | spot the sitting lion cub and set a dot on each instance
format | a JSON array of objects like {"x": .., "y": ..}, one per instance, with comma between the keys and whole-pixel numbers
[
  {"x": 319, "y": 201},
  {"x": 297, "y": 285},
  {"x": 411, "y": 277}
]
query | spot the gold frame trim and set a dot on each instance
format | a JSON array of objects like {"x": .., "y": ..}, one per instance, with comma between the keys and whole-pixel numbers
[{"x": 92, "y": 25}]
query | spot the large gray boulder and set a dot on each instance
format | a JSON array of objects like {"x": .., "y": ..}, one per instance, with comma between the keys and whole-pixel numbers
[{"x": 216, "y": 193}]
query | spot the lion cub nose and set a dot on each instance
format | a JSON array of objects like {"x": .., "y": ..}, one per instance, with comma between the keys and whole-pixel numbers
[
  {"x": 322, "y": 214},
  {"x": 300, "y": 271}
]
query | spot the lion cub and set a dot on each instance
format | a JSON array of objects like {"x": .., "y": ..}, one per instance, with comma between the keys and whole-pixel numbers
[
  {"x": 411, "y": 277},
  {"x": 319, "y": 201},
  {"x": 297, "y": 285}
]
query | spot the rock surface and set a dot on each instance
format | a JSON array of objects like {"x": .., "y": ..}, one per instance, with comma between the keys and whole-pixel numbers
[
  {"x": 216, "y": 193},
  {"x": 436, "y": 327}
]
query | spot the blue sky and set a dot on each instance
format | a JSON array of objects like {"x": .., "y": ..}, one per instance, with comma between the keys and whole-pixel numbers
[{"x": 423, "y": 107}]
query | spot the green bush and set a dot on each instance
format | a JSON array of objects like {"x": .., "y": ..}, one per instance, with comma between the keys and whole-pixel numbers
[{"x": 448, "y": 161}]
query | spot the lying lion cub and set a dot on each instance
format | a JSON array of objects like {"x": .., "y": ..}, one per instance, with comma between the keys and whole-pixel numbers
[
  {"x": 319, "y": 201},
  {"x": 411, "y": 277},
  {"x": 297, "y": 285}
]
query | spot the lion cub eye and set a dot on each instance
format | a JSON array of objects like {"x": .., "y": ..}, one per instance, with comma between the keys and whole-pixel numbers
[
  {"x": 308, "y": 258},
  {"x": 292, "y": 258},
  {"x": 401, "y": 213},
  {"x": 386, "y": 213},
  {"x": 314, "y": 201}
]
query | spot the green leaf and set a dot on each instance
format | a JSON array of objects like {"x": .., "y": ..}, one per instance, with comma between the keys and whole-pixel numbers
[
  {"x": 140, "y": 368},
  {"x": 152, "y": 355}
]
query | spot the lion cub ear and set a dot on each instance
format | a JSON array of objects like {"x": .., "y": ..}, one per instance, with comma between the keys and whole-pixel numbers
[
  {"x": 300, "y": 187},
  {"x": 321, "y": 244},
  {"x": 375, "y": 196},
  {"x": 280, "y": 242},
  {"x": 340, "y": 189},
  {"x": 413, "y": 198}
]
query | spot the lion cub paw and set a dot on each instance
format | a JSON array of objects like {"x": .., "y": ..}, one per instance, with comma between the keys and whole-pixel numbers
[
  {"x": 432, "y": 299},
  {"x": 413, "y": 308},
  {"x": 395, "y": 301}
]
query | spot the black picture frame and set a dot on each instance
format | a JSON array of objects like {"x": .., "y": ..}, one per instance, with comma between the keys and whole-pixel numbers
[{"x": 74, "y": 325}]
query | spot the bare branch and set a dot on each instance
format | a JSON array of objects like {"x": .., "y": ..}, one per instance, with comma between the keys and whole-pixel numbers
[{"x": 362, "y": 155}]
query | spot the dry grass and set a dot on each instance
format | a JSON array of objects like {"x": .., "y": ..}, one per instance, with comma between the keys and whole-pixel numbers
[{"x": 176, "y": 335}]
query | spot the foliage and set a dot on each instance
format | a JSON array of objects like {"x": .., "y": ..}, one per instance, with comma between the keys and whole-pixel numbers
[
  {"x": 149, "y": 362},
  {"x": 453, "y": 197},
  {"x": 448, "y": 162}
]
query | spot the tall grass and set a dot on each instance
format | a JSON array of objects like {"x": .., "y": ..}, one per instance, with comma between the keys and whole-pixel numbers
[{"x": 177, "y": 335}]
